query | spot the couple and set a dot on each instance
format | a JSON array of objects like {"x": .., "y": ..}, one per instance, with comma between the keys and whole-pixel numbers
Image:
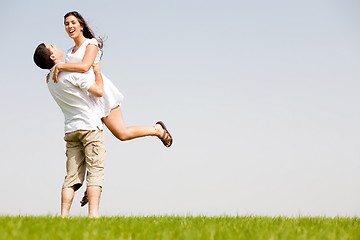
[{"x": 87, "y": 99}]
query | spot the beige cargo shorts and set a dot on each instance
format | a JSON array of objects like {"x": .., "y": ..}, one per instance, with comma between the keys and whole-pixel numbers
[{"x": 85, "y": 152}]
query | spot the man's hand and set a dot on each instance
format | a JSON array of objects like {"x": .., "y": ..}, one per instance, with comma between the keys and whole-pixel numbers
[
  {"x": 96, "y": 68},
  {"x": 56, "y": 72},
  {"x": 97, "y": 89}
]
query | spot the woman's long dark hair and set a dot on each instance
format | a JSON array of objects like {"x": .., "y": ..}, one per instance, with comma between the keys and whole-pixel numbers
[{"x": 87, "y": 32}]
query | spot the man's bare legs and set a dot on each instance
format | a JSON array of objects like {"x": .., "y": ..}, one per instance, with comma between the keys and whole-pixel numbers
[
  {"x": 67, "y": 196},
  {"x": 115, "y": 123},
  {"x": 94, "y": 193}
]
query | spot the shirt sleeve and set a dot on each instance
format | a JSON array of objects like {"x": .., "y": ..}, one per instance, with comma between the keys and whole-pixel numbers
[
  {"x": 93, "y": 41},
  {"x": 83, "y": 81}
]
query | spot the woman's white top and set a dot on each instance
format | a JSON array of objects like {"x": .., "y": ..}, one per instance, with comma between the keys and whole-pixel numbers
[{"x": 111, "y": 97}]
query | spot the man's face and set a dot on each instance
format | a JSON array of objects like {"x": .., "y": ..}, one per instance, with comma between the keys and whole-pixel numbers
[{"x": 55, "y": 51}]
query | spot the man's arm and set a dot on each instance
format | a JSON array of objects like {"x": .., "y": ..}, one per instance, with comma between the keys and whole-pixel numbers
[{"x": 97, "y": 89}]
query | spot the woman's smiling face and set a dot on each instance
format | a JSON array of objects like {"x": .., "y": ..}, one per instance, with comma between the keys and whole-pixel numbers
[{"x": 73, "y": 27}]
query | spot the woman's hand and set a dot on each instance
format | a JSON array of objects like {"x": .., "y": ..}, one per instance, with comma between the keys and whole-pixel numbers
[
  {"x": 56, "y": 72},
  {"x": 47, "y": 78}
]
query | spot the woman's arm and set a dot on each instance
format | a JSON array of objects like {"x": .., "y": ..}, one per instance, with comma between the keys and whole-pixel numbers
[{"x": 84, "y": 66}]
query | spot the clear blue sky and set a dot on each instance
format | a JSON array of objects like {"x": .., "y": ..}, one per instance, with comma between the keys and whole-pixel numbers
[{"x": 261, "y": 97}]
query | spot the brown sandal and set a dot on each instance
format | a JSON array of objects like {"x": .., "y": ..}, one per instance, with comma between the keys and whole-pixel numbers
[
  {"x": 84, "y": 200},
  {"x": 166, "y": 143}
]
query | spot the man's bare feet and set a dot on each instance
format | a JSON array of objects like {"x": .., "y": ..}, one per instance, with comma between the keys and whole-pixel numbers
[{"x": 163, "y": 134}]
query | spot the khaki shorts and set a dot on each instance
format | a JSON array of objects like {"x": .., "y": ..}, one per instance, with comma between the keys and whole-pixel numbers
[{"x": 85, "y": 151}]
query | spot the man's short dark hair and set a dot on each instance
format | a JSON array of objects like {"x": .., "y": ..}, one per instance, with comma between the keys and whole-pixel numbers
[{"x": 42, "y": 57}]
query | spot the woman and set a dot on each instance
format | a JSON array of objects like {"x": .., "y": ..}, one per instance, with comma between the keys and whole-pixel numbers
[{"x": 80, "y": 58}]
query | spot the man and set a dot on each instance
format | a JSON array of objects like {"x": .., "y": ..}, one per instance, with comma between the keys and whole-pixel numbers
[{"x": 85, "y": 148}]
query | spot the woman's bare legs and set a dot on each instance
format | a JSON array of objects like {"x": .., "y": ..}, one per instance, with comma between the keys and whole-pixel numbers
[{"x": 115, "y": 123}]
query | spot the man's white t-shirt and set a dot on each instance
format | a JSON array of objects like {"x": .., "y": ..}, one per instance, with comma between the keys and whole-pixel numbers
[{"x": 76, "y": 103}]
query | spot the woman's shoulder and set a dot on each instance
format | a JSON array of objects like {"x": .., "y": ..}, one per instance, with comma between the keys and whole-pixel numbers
[{"x": 92, "y": 41}]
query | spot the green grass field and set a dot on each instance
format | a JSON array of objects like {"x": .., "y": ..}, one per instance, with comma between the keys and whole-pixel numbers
[{"x": 168, "y": 227}]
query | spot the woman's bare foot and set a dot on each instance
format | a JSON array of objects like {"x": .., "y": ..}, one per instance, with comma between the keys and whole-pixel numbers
[{"x": 163, "y": 134}]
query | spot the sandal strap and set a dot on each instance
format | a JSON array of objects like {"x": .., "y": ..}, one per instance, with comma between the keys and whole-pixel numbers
[
  {"x": 164, "y": 135},
  {"x": 166, "y": 142}
]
